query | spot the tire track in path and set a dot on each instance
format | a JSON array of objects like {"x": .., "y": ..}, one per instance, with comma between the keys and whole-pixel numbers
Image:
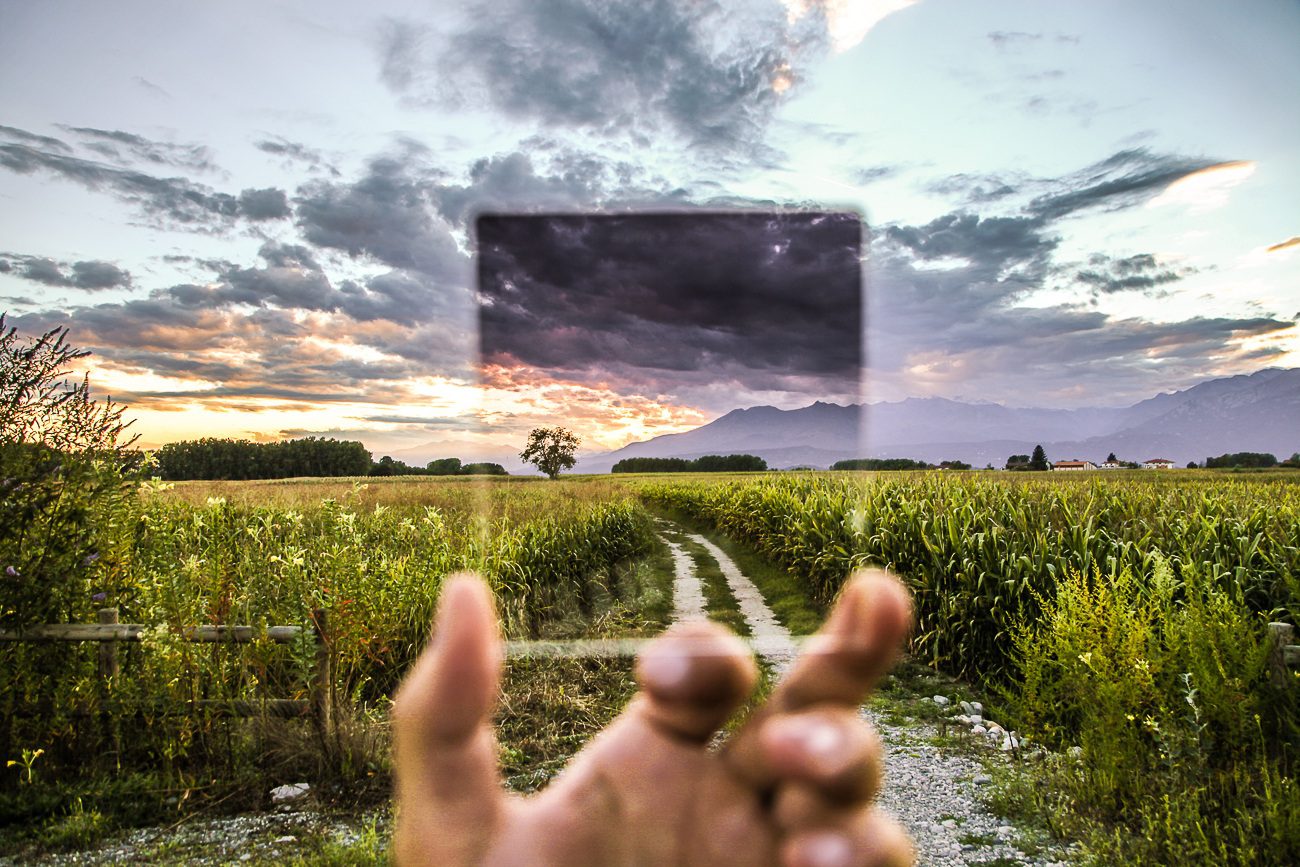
[
  {"x": 688, "y": 594},
  {"x": 769, "y": 638}
]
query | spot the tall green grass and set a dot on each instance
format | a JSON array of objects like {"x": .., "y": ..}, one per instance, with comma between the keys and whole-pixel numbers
[{"x": 372, "y": 556}]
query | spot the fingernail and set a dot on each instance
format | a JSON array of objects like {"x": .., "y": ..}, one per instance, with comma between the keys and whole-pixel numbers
[
  {"x": 665, "y": 672},
  {"x": 825, "y": 746},
  {"x": 826, "y": 849}
]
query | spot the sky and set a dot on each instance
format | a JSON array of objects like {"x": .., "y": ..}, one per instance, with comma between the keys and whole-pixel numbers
[{"x": 259, "y": 216}]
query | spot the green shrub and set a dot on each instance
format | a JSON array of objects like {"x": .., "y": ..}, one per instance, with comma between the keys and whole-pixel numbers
[{"x": 1163, "y": 686}]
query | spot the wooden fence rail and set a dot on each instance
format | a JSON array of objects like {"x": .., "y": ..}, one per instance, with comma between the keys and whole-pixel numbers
[
  {"x": 108, "y": 632},
  {"x": 1284, "y": 655}
]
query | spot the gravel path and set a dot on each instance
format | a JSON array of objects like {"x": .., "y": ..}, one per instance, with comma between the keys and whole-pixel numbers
[{"x": 932, "y": 790}]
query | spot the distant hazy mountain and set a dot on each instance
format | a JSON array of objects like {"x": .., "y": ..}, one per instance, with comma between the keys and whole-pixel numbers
[{"x": 1259, "y": 412}]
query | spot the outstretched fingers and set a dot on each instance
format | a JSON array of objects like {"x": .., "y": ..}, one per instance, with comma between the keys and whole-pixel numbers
[
  {"x": 449, "y": 796},
  {"x": 809, "y": 753},
  {"x": 860, "y": 641}
]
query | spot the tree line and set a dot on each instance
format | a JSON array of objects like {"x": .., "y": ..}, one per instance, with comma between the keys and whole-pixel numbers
[
  {"x": 1243, "y": 460},
  {"x": 239, "y": 460},
  {"x": 896, "y": 464},
  {"x": 705, "y": 464}
]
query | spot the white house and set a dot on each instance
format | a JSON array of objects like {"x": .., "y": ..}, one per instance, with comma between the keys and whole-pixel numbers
[
  {"x": 1074, "y": 465},
  {"x": 1111, "y": 465},
  {"x": 1158, "y": 464}
]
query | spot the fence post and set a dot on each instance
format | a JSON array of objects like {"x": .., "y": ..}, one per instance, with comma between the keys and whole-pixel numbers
[
  {"x": 108, "y": 666},
  {"x": 322, "y": 682},
  {"x": 1280, "y": 635}
]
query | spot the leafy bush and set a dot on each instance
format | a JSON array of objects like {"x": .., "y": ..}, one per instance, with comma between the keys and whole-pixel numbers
[
  {"x": 1163, "y": 685},
  {"x": 66, "y": 482}
]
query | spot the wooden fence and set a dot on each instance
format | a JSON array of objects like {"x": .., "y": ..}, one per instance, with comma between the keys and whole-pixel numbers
[
  {"x": 109, "y": 632},
  {"x": 1284, "y": 655}
]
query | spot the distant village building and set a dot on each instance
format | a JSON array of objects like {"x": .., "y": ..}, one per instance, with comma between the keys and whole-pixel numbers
[
  {"x": 1111, "y": 465},
  {"x": 1074, "y": 465},
  {"x": 1158, "y": 464}
]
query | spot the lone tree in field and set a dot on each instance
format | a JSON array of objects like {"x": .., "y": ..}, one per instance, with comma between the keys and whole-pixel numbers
[
  {"x": 1039, "y": 460},
  {"x": 551, "y": 449}
]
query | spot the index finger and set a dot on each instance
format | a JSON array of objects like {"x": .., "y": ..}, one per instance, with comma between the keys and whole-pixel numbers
[{"x": 858, "y": 643}]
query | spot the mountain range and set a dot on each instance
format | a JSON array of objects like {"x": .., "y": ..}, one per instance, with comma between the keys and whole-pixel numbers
[{"x": 1258, "y": 412}]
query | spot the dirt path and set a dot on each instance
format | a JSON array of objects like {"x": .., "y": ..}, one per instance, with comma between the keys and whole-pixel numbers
[
  {"x": 688, "y": 595},
  {"x": 933, "y": 789},
  {"x": 770, "y": 639}
]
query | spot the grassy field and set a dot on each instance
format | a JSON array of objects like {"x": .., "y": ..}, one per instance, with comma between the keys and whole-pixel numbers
[{"x": 1121, "y": 613}]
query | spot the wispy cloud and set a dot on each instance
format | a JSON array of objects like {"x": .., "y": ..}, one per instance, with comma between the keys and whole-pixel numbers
[{"x": 176, "y": 200}]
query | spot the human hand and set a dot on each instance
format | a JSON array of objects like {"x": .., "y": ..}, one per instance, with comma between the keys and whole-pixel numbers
[{"x": 793, "y": 787}]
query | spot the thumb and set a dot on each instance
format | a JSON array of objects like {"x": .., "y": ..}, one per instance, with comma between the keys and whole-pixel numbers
[{"x": 449, "y": 794}]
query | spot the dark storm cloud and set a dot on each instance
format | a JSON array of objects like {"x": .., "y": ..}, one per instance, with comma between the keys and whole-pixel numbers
[
  {"x": 626, "y": 66},
  {"x": 663, "y": 296},
  {"x": 124, "y": 147},
  {"x": 92, "y": 275},
  {"x": 388, "y": 214},
  {"x": 1139, "y": 273},
  {"x": 267, "y": 204}
]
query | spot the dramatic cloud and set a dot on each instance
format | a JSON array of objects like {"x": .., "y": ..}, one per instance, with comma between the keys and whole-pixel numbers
[
  {"x": 1283, "y": 245},
  {"x": 22, "y": 136},
  {"x": 90, "y": 275},
  {"x": 607, "y": 67},
  {"x": 1123, "y": 180},
  {"x": 388, "y": 215},
  {"x": 745, "y": 300},
  {"x": 293, "y": 279},
  {"x": 551, "y": 178},
  {"x": 947, "y": 299},
  {"x": 972, "y": 250}
]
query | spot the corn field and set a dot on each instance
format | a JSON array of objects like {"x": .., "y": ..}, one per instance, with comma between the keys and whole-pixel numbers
[{"x": 980, "y": 553}]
